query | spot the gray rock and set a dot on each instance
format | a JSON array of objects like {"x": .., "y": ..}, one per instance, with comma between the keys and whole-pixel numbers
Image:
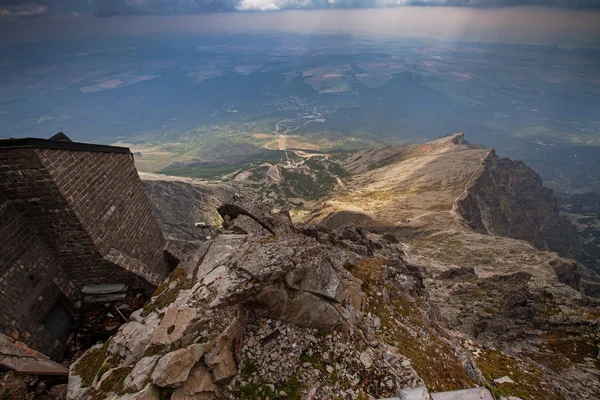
[
  {"x": 199, "y": 381},
  {"x": 221, "y": 358},
  {"x": 74, "y": 389},
  {"x": 219, "y": 252},
  {"x": 150, "y": 392},
  {"x": 377, "y": 322},
  {"x": 465, "y": 394},
  {"x": 174, "y": 368},
  {"x": 140, "y": 375},
  {"x": 503, "y": 379},
  {"x": 245, "y": 224},
  {"x": 173, "y": 325},
  {"x": 419, "y": 393},
  {"x": 322, "y": 279},
  {"x": 366, "y": 360},
  {"x": 301, "y": 308},
  {"x": 131, "y": 340}
]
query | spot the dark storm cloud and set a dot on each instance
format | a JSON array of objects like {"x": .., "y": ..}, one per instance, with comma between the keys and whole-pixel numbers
[
  {"x": 171, "y": 7},
  {"x": 25, "y": 8}
]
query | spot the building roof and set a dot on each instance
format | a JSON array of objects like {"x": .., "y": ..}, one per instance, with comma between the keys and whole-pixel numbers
[{"x": 63, "y": 143}]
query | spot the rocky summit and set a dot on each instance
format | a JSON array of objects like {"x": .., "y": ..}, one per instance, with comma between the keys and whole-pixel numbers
[{"x": 420, "y": 271}]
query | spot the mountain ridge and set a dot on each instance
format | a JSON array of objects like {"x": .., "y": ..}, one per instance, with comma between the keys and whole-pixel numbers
[{"x": 392, "y": 281}]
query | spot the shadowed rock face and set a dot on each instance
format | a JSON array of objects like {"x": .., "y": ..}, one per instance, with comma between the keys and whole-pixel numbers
[
  {"x": 508, "y": 199},
  {"x": 274, "y": 223}
]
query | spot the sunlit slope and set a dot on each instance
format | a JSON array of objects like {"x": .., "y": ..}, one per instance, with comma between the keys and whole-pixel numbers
[{"x": 407, "y": 185}]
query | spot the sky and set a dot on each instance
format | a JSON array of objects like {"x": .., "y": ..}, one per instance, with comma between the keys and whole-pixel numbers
[
  {"x": 560, "y": 22},
  {"x": 108, "y": 8}
]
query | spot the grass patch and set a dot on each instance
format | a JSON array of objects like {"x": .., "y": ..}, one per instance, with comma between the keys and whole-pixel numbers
[
  {"x": 293, "y": 388},
  {"x": 574, "y": 348},
  {"x": 431, "y": 357},
  {"x": 529, "y": 384},
  {"x": 253, "y": 391},
  {"x": 248, "y": 368},
  {"x": 113, "y": 383},
  {"x": 369, "y": 270}
]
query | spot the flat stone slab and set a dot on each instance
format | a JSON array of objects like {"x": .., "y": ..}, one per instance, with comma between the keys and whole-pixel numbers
[
  {"x": 421, "y": 394},
  {"x": 220, "y": 251},
  {"x": 173, "y": 324},
  {"x": 466, "y": 394}
]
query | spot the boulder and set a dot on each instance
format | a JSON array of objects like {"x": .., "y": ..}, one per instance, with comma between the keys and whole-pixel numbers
[
  {"x": 149, "y": 392},
  {"x": 131, "y": 340},
  {"x": 220, "y": 359},
  {"x": 199, "y": 381},
  {"x": 275, "y": 223},
  {"x": 419, "y": 393},
  {"x": 174, "y": 368},
  {"x": 320, "y": 278},
  {"x": 75, "y": 390},
  {"x": 140, "y": 375},
  {"x": 247, "y": 225},
  {"x": 219, "y": 253},
  {"x": 298, "y": 307}
]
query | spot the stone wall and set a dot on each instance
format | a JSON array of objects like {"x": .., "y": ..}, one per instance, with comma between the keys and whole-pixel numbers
[
  {"x": 31, "y": 282},
  {"x": 91, "y": 209},
  {"x": 107, "y": 197},
  {"x": 70, "y": 218}
]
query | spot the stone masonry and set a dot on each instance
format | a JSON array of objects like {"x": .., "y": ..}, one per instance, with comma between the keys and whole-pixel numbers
[{"x": 71, "y": 214}]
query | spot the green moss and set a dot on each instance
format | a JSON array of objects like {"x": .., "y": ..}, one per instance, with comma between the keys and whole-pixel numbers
[
  {"x": 306, "y": 358},
  {"x": 362, "y": 396},
  {"x": 105, "y": 367},
  {"x": 248, "y": 368},
  {"x": 269, "y": 239},
  {"x": 255, "y": 391},
  {"x": 293, "y": 388},
  {"x": 161, "y": 288},
  {"x": 592, "y": 315},
  {"x": 113, "y": 383},
  {"x": 90, "y": 364},
  {"x": 153, "y": 350}
]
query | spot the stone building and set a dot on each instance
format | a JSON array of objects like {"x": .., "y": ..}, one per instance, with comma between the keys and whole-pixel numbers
[{"x": 71, "y": 214}]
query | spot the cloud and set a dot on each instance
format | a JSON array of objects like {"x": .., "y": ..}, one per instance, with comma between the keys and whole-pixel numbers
[
  {"x": 107, "y": 8},
  {"x": 24, "y": 9}
]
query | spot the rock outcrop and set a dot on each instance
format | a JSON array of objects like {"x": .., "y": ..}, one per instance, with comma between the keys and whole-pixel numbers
[
  {"x": 188, "y": 339},
  {"x": 507, "y": 198}
]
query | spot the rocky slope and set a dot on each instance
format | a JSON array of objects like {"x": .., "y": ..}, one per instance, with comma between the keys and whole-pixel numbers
[
  {"x": 413, "y": 271},
  {"x": 450, "y": 178}
]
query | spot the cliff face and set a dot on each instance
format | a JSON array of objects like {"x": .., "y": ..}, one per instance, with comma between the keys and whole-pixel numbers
[{"x": 508, "y": 199}]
